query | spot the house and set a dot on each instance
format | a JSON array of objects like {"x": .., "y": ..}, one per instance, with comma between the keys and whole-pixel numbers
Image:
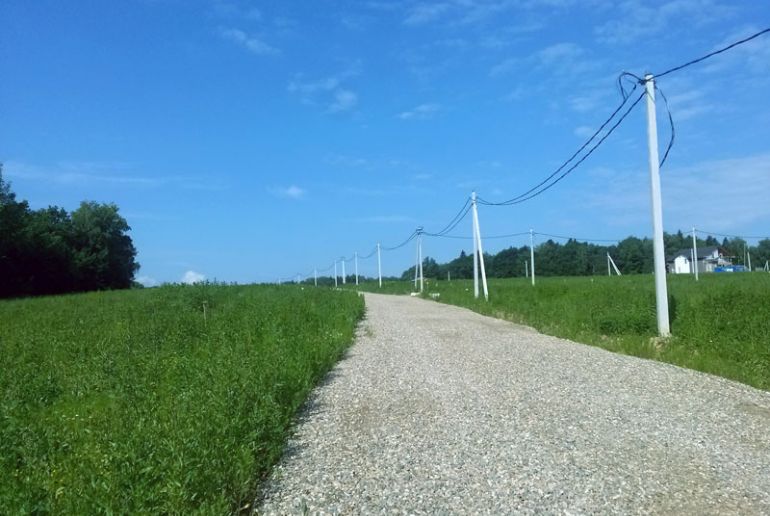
[{"x": 709, "y": 258}]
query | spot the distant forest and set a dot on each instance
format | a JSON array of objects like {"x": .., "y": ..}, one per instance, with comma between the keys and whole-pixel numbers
[
  {"x": 51, "y": 251},
  {"x": 572, "y": 258}
]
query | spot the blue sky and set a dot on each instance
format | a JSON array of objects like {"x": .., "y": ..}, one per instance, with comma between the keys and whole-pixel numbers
[{"x": 247, "y": 140}]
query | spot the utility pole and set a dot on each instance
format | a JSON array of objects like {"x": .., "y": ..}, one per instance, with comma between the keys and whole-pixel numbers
[
  {"x": 609, "y": 271},
  {"x": 748, "y": 255},
  {"x": 612, "y": 262},
  {"x": 315, "y": 277},
  {"x": 661, "y": 289},
  {"x": 479, "y": 248},
  {"x": 335, "y": 273},
  {"x": 695, "y": 253},
  {"x": 343, "y": 270},
  {"x": 355, "y": 255},
  {"x": 526, "y": 268},
  {"x": 379, "y": 264},
  {"x": 419, "y": 257},
  {"x": 532, "y": 254},
  {"x": 475, "y": 255}
]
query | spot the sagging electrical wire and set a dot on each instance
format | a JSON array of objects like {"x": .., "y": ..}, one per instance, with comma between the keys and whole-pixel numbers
[
  {"x": 670, "y": 123},
  {"x": 744, "y": 237},
  {"x": 543, "y": 185},
  {"x": 455, "y": 220},
  {"x": 712, "y": 54},
  {"x": 402, "y": 244},
  {"x": 532, "y": 193},
  {"x": 369, "y": 255},
  {"x": 561, "y": 237},
  {"x": 491, "y": 237}
]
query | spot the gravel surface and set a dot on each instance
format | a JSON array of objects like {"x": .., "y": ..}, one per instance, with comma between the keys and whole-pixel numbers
[{"x": 438, "y": 410}]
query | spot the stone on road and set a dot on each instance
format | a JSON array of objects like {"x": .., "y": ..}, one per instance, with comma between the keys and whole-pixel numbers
[{"x": 439, "y": 410}]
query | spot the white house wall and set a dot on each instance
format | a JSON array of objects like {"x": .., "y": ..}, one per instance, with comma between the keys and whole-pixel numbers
[{"x": 682, "y": 265}]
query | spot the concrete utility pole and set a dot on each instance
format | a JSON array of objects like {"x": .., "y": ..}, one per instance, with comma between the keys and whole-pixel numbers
[
  {"x": 612, "y": 262},
  {"x": 532, "y": 254},
  {"x": 355, "y": 255},
  {"x": 343, "y": 270},
  {"x": 694, "y": 253},
  {"x": 526, "y": 268},
  {"x": 419, "y": 258},
  {"x": 315, "y": 277},
  {"x": 379, "y": 264},
  {"x": 475, "y": 255},
  {"x": 335, "y": 273},
  {"x": 479, "y": 249},
  {"x": 661, "y": 289}
]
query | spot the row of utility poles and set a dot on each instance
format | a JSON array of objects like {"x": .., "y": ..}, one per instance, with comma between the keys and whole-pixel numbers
[{"x": 479, "y": 272}]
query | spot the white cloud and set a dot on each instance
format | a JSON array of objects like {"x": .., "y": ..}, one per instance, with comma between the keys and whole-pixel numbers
[
  {"x": 344, "y": 100},
  {"x": 588, "y": 102},
  {"x": 564, "y": 59},
  {"x": 88, "y": 174},
  {"x": 639, "y": 18},
  {"x": 425, "y": 13},
  {"x": 147, "y": 281},
  {"x": 191, "y": 277},
  {"x": 386, "y": 219},
  {"x": 728, "y": 195},
  {"x": 251, "y": 43},
  {"x": 289, "y": 192},
  {"x": 421, "y": 112},
  {"x": 347, "y": 161},
  {"x": 78, "y": 173},
  {"x": 327, "y": 91},
  {"x": 584, "y": 131},
  {"x": 312, "y": 87}
]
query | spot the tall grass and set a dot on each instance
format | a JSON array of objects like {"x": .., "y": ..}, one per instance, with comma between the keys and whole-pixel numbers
[
  {"x": 156, "y": 401},
  {"x": 720, "y": 324}
]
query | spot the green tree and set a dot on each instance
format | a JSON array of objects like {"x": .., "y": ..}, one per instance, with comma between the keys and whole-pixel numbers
[
  {"x": 14, "y": 217},
  {"x": 103, "y": 254}
]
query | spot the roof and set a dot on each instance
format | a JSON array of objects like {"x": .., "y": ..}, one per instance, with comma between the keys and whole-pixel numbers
[{"x": 703, "y": 252}]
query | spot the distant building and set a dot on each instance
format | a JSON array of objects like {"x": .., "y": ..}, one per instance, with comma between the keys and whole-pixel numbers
[{"x": 709, "y": 258}]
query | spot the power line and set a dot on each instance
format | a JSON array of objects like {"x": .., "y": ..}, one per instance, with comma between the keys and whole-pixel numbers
[
  {"x": 455, "y": 220},
  {"x": 549, "y": 181},
  {"x": 671, "y": 124},
  {"x": 368, "y": 255},
  {"x": 745, "y": 237},
  {"x": 524, "y": 197},
  {"x": 402, "y": 244},
  {"x": 712, "y": 54},
  {"x": 491, "y": 237},
  {"x": 577, "y": 238}
]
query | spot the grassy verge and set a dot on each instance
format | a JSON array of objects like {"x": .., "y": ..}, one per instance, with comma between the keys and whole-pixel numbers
[
  {"x": 144, "y": 401},
  {"x": 720, "y": 324}
]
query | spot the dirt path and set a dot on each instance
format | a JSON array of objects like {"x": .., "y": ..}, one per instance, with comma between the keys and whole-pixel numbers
[{"x": 437, "y": 409}]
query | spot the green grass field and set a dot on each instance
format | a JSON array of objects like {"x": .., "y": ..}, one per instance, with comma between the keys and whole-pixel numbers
[
  {"x": 720, "y": 325},
  {"x": 143, "y": 402}
]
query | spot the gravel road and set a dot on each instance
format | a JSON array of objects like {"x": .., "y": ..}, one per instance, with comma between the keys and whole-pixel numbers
[{"x": 438, "y": 410}]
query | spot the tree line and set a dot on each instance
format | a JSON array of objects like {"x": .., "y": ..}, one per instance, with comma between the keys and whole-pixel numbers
[
  {"x": 52, "y": 251},
  {"x": 573, "y": 258}
]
